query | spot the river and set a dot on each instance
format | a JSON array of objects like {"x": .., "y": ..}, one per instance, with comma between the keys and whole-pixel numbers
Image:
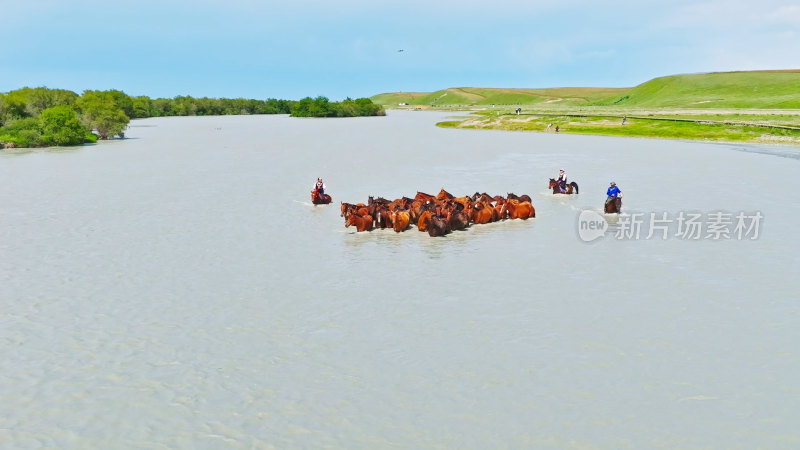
[{"x": 177, "y": 289}]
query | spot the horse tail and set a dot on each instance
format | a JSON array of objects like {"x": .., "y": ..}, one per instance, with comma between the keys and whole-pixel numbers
[{"x": 575, "y": 185}]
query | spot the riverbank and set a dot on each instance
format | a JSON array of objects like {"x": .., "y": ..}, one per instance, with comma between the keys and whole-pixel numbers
[
  {"x": 760, "y": 107},
  {"x": 730, "y": 125}
]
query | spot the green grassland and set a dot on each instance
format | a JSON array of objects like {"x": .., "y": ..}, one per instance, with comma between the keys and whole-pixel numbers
[
  {"x": 469, "y": 97},
  {"x": 637, "y": 127},
  {"x": 754, "y": 90},
  {"x": 759, "y": 106}
]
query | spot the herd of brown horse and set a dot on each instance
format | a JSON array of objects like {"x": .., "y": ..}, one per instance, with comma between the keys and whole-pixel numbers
[{"x": 436, "y": 214}]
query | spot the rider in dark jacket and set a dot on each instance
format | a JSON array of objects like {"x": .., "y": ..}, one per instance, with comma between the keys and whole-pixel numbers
[
  {"x": 561, "y": 181},
  {"x": 319, "y": 187}
]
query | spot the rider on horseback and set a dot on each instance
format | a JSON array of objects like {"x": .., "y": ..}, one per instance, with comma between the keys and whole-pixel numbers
[
  {"x": 561, "y": 181},
  {"x": 613, "y": 192},
  {"x": 319, "y": 188}
]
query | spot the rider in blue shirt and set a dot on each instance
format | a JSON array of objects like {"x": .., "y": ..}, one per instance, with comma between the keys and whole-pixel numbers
[{"x": 613, "y": 192}]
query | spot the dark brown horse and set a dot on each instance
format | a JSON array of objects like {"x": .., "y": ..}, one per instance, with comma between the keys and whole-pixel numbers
[
  {"x": 317, "y": 199},
  {"x": 383, "y": 217},
  {"x": 613, "y": 205},
  {"x": 521, "y": 198},
  {"x": 437, "y": 226},
  {"x": 571, "y": 188},
  {"x": 457, "y": 220}
]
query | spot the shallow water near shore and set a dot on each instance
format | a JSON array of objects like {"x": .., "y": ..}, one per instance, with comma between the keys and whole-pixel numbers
[{"x": 178, "y": 289}]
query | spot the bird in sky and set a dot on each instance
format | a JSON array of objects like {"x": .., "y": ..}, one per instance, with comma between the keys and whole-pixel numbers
[{"x": 401, "y": 50}]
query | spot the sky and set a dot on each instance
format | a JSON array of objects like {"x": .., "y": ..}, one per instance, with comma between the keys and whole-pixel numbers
[{"x": 292, "y": 49}]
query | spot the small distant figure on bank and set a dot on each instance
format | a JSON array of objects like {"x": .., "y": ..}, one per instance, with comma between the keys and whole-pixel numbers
[
  {"x": 613, "y": 192},
  {"x": 549, "y": 125},
  {"x": 519, "y": 110},
  {"x": 556, "y": 128},
  {"x": 319, "y": 187},
  {"x": 561, "y": 181},
  {"x": 624, "y": 119}
]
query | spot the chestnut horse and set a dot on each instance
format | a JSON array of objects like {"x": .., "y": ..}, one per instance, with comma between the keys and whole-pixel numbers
[
  {"x": 613, "y": 206},
  {"x": 464, "y": 201},
  {"x": 520, "y": 210},
  {"x": 320, "y": 200},
  {"x": 572, "y": 188},
  {"x": 481, "y": 213},
  {"x": 362, "y": 223},
  {"x": 444, "y": 195},
  {"x": 400, "y": 220},
  {"x": 423, "y": 197},
  {"x": 424, "y": 219},
  {"x": 348, "y": 208}
]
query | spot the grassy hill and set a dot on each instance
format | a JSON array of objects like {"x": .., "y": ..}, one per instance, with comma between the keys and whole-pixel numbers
[
  {"x": 496, "y": 96},
  {"x": 761, "y": 90},
  {"x": 396, "y": 98},
  {"x": 728, "y": 90}
]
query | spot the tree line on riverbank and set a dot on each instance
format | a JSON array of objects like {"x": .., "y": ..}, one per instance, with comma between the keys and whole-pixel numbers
[{"x": 39, "y": 117}]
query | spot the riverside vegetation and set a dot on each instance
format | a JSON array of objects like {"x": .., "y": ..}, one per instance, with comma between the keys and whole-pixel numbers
[
  {"x": 755, "y": 107},
  {"x": 39, "y": 117}
]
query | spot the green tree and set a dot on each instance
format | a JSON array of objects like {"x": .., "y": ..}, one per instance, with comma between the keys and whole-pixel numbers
[
  {"x": 21, "y": 133},
  {"x": 60, "y": 126},
  {"x": 122, "y": 101},
  {"x": 99, "y": 111},
  {"x": 14, "y": 105},
  {"x": 142, "y": 107}
]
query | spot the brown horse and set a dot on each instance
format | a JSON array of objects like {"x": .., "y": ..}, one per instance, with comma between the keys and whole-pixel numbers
[
  {"x": 380, "y": 200},
  {"x": 613, "y": 205},
  {"x": 400, "y": 220},
  {"x": 362, "y": 223},
  {"x": 571, "y": 188},
  {"x": 464, "y": 201},
  {"x": 444, "y": 195},
  {"x": 423, "y": 197},
  {"x": 424, "y": 219},
  {"x": 520, "y": 210},
  {"x": 457, "y": 220},
  {"x": 521, "y": 198},
  {"x": 348, "y": 208},
  {"x": 316, "y": 199},
  {"x": 383, "y": 217},
  {"x": 481, "y": 213},
  {"x": 500, "y": 209}
]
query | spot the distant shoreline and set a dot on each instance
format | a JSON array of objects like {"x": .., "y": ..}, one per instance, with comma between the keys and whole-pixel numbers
[{"x": 757, "y": 127}]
